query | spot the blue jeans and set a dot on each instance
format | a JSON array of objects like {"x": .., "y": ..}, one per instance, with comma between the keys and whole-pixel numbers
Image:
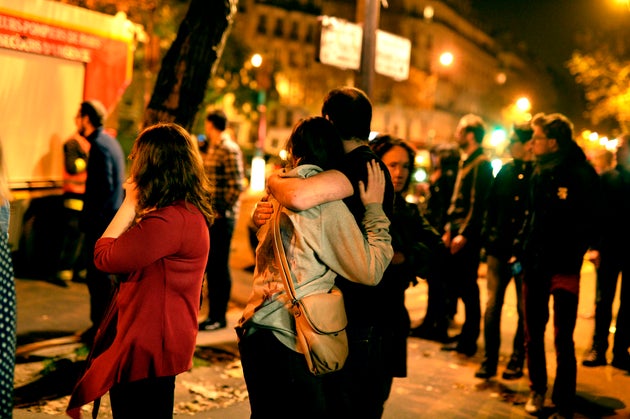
[{"x": 498, "y": 278}]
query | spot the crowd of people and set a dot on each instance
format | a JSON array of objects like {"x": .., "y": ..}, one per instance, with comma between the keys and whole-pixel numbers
[
  {"x": 535, "y": 222},
  {"x": 151, "y": 237}
]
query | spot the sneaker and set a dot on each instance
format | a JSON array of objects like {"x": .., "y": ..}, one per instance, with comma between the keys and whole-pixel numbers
[
  {"x": 211, "y": 325},
  {"x": 594, "y": 358},
  {"x": 535, "y": 403},
  {"x": 513, "y": 370}
]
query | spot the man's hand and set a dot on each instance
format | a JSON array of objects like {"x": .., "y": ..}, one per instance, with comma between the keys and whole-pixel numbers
[
  {"x": 373, "y": 193},
  {"x": 262, "y": 212}
]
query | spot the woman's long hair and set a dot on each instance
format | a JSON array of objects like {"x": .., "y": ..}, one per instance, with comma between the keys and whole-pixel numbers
[
  {"x": 167, "y": 167},
  {"x": 314, "y": 140}
]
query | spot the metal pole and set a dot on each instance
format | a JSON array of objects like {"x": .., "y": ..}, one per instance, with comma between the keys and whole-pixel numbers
[{"x": 368, "y": 11}]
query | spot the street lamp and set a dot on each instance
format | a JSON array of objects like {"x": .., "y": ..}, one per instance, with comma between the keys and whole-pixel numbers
[
  {"x": 523, "y": 104},
  {"x": 447, "y": 59},
  {"x": 257, "y": 177}
]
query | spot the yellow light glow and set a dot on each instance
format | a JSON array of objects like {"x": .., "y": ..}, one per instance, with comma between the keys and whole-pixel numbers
[
  {"x": 256, "y": 60},
  {"x": 257, "y": 180},
  {"x": 446, "y": 59},
  {"x": 523, "y": 104}
]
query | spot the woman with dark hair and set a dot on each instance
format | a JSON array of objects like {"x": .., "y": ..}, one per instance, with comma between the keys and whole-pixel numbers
[
  {"x": 320, "y": 243},
  {"x": 159, "y": 241},
  {"x": 416, "y": 248}
]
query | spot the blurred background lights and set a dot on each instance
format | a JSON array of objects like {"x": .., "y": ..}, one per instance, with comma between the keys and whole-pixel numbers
[
  {"x": 496, "y": 166},
  {"x": 446, "y": 59}
]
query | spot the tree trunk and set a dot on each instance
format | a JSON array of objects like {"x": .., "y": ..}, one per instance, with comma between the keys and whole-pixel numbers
[{"x": 190, "y": 62}]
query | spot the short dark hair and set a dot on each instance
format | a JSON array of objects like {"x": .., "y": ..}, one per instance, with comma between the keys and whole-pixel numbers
[
  {"x": 218, "y": 119},
  {"x": 447, "y": 154},
  {"x": 522, "y": 133},
  {"x": 350, "y": 111},
  {"x": 555, "y": 126},
  {"x": 473, "y": 123},
  {"x": 95, "y": 111},
  {"x": 314, "y": 140}
]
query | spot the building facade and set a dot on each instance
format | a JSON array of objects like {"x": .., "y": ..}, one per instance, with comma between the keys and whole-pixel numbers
[{"x": 484, "y": 77}]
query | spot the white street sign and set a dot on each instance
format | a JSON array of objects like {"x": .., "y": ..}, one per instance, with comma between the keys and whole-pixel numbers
[{"x": 393, "y": 54}]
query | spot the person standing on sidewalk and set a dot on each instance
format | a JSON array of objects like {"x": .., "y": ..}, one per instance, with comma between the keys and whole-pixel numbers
[
  {"x": 102, "y": 198},
  {"x": 365, "y": 381},
  {"x": 561, "y": 224},
  {"x": 316, "y": 242},
  {"x": 223, "y": 163},
  {"x": 462, "y": 234},
  {"x": 504, "y": 218},
  {"x": 418, "y": 253},
  {"x": 159, "y": 241},
  {"x": 613, "y": 252},
  {"x": 445, "y": 159}
]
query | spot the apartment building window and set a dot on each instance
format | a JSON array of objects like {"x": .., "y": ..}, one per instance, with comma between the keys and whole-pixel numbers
[
  {"x": 262, "y": 25},
  {"x": 272, "y": 117},
  {"x": 288, "y": 119},
  {"x": 293, "y": 59},
  {"x": 279, "y": 29},
  {"x": 294, "y": 34},
  {"x": 310, "y": 31}
]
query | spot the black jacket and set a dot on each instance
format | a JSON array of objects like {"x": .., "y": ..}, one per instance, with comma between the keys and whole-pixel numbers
[
  {"x": 506, "y": 208},
  {"x": 564, "y": 214}
]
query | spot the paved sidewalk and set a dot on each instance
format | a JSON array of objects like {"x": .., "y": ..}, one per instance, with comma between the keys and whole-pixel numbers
[{"x": 440, "y": 384}]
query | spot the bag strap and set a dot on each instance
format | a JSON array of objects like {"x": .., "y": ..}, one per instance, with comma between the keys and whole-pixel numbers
[{"x": 281, "y": 257}]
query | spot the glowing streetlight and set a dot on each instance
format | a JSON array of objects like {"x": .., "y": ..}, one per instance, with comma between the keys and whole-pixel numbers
[
  {"x": 523, "y": 104},
  {"x": 257, "y": 179},
  {"x": 256, "y": 60},
  {"x": 447, "y": 59}
]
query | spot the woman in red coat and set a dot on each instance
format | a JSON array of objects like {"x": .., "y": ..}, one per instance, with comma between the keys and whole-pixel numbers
[{"x": 158, "y": 241}]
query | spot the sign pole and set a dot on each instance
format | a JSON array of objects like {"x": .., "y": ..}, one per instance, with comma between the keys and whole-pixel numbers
[{"x": 368, "y": 11}]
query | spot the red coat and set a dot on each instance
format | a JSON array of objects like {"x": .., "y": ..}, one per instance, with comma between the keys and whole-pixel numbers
[{"x": 153, "y": 316}]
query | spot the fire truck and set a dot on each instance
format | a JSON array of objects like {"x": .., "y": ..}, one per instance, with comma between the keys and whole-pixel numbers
[{"x": 53, "y": 56}]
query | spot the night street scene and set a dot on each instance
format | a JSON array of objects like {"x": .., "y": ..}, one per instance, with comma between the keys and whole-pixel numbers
[{"x": 483, "y": 281}]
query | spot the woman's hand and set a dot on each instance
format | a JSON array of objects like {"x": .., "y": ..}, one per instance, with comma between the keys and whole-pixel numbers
[
  {"x": 131, "y": 192},
  {"x": 373, "y": 193},
  {"x": 262, "y": 211}
]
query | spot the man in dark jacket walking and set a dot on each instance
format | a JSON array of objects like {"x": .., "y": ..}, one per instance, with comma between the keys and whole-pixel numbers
[{"x": 561, "y": 225}]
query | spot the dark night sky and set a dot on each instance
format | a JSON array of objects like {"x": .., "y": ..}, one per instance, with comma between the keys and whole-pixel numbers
[{"x": 549, "y": 26}]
